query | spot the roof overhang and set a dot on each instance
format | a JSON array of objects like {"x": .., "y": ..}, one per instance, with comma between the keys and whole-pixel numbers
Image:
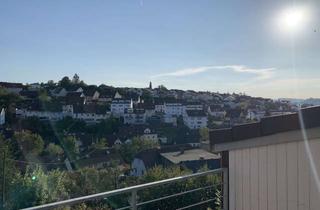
[{"x": 278, "y": 138}]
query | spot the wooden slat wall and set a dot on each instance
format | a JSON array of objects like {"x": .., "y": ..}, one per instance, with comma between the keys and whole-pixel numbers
[
  {"x": 303, "y": 178},
  {"x": 232, "y": 177},
  {"x": 263, "y": 177},
  {"x": 274, "y": 177}
]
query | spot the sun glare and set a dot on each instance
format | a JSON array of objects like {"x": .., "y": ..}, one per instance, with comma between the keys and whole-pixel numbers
[{"x": 293, "y": 19}]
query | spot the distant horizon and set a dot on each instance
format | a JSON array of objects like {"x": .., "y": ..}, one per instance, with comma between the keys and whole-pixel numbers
[{"x": 156, "y": 86}]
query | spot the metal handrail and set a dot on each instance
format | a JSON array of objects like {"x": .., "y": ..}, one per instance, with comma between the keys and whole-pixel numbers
[{"x": 133, "y": 190}]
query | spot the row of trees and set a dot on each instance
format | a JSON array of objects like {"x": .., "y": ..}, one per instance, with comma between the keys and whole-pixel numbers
[{"x": 35, "y": 187}]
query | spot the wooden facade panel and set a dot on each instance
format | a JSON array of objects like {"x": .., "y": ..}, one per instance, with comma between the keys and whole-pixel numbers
[
  {"x": 275, "y": 177},
  {"x": 292, "y": 175},
  {"x": 314, "y": 191},
  {"x": 232, "y": 192},
  {"x": 239, "y": 180},
  {"x": 303, "y": 178},
  {"x": 254, "y": 178},
  {"x": 263, "y": 178},
  {"x": 272, "y": 177},
  {"x": 246, "y": 178},
  {"x": 281, "y": 176}
]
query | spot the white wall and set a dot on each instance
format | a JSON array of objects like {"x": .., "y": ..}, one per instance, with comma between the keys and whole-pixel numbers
[
  {"x": 195, "y": 122},
  {"x": 138, "y": 167},
  {"x": 2, "y": 116},
  {"x": 274, "y": 177}
]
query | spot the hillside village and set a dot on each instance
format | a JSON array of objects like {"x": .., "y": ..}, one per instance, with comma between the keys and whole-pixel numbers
[
  {"x": 119, "y": 136},
  {"x": 97, "y": 125}
]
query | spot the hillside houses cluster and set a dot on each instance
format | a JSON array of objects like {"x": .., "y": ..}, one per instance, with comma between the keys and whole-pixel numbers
[{"x": 139, "y": 106}]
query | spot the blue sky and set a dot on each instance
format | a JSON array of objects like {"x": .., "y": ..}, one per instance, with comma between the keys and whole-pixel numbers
[{"x": 225, "y": 46}]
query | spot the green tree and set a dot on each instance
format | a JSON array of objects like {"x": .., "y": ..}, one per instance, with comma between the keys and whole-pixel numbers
[
  {"x": 54, "y": 150},
  {"x": 128, "y": 151},
  {"x": 51, "y": 83},
  {"x": 7, "y": 166},
  {"x": 65, "y": 82},
  {"x": 30, "y": 143},
  {"x": 70, "y": 146},
  {"x": 43, "y": 96},
  {"x": 160, "y": 173},
  {"x": 68, "y": 124},
  {"x": 35, "y": 125},
  {"x": 162, "y": 88},
  {"x": 36, "y": 187},
  {"x": 101, "y": 144}
]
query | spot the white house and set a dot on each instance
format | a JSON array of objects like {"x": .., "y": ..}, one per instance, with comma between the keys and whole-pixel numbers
[
  {"x": 42, "y": 115},
  {"x": 2, "y": 116},
  {"x": 159, "y": 107},
  {"x": 89, "y": 113},
  {"x": 104, "y": 98},
  {"x": 148, "y": 107},
  {"x": 193, "y": 106},
  {"x": 91, "y": 95},
  {"x": 117, "y": 142},
  {"x": 173, "y": 108},
  {"x": 195, "y": 119},
  {"x": 217, "y": 110},
  {"x": 128, "y": 141},
  {"x": 163, "y": 139},
  {"x": 170, "y": 119},
  {"x": 90, "y": 117},
  {"x": 67, "y": 110},
  {"x": 149, "y": 136},
  {"x": 255, "y": 114},
  {"x": 117, "y": 95},
  {"x": 134, "y": 116},
  {"x": 79, "y": 90},
  {"x": 59, "y": 92},
  {"x": 118, "y": 106}
]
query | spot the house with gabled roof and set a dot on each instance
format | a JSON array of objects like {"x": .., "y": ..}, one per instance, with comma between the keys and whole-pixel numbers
[
  {"x": 59, "y": 92},
  {"x": 195, "y": 119},
  {"x": 217, "y": 110},
  {"x": 12, "y": 87},
  {"x": 75, "y": 98},
  {"x": 91, "y": 95},
  {"x": 173, "y": 107},
  {"x": 119, "y": 106}
]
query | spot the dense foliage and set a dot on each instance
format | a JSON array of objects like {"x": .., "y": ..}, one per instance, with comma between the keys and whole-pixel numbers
[
  {"x": 35, "y": 187},
  {"x": 128, "y": 151}
]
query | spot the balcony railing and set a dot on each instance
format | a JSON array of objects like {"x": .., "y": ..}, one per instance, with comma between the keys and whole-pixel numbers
[{"x": 135, "y": 203}]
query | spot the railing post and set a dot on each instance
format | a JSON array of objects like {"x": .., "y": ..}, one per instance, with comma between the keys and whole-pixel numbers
[
  {"x": 134, "y": 200},
  {"x": 225, "y": 182}
]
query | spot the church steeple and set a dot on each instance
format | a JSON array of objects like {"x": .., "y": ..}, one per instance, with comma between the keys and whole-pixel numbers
[{"x": 150, "y": 85}]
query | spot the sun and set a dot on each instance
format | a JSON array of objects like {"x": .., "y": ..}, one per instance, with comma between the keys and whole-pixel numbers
[{"x": 293, "y": 19}]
